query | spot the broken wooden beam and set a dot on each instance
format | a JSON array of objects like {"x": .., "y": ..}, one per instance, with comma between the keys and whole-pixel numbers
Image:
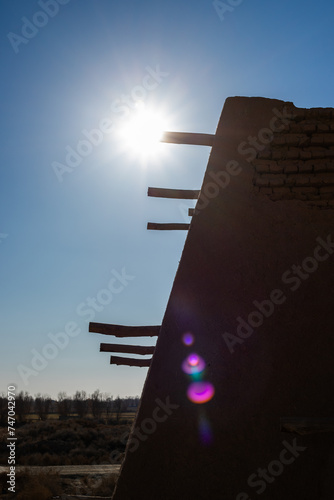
[
  {"x": 118, "y": 360},
  {"x": 129, "y": 349},
  {"x": 178, "y": 226},
  {"x": 124, "y": 331},
  {"x": 306, "y": 425},
  {"x": 188, "y": 138},
  {"x": 181, "y": 194}
]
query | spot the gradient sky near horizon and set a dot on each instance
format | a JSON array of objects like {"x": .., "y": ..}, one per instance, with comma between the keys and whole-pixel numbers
[{"x": 88, "y": 62}]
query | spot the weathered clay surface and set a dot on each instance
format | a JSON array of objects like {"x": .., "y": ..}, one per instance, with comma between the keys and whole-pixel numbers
[{"x": 252, "y": 230}]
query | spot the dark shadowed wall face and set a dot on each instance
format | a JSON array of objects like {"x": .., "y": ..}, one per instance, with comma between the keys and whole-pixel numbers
[{"x": 249, "y": 320}]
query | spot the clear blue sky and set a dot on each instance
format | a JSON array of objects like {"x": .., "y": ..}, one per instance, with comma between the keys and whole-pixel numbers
[{"x": 88, "y": 61}]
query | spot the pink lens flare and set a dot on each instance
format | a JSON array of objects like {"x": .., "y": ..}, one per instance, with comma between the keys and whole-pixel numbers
[
  {"x": 193, "y": 360},
  {"x": 188, "y": 338},
  {"x": 200, "y": 392},
  {"x": 193, "y": 364}
]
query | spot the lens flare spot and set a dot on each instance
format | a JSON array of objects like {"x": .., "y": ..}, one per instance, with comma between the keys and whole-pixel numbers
[
  {"x": 205, "y": 431},
  {"x": 193, "y": 360},
  {"x": 200, "y": 392},
  {"x": 188, "y": 338},
  {"x": 193, "y": 364}
]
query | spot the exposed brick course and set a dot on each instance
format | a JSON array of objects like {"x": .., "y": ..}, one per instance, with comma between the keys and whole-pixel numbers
[{"x": 299, "y": 161}]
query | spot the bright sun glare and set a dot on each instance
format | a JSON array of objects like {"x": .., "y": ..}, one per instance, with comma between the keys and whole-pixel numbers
[{"x": 141, "y": 132}]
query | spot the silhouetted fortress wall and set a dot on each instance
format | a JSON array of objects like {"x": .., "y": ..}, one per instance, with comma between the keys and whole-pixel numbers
[{"x": 255, "y": 289}]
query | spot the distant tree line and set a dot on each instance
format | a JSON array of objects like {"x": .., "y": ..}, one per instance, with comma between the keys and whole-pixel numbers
[{"x": 81, "y": 404}]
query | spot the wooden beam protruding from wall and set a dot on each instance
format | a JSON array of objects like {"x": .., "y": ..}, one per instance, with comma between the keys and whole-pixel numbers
[
  {"x": 118, "y": 360},
  {"x": 178, "y": 226},
  {"x": 181, "y": 194},
  {"x": 188, "y": 138},
  {"x": 129, "y": 349},
  {"x": 124, "y": 331}
]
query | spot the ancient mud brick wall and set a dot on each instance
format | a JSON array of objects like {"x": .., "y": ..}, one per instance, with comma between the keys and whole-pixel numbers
[
  {"x": 242, "y": 251},
  {"x": 298, "y": 163}
]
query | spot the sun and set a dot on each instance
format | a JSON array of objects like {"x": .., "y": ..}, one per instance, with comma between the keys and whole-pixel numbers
[{"x": 141, "y": 132}]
